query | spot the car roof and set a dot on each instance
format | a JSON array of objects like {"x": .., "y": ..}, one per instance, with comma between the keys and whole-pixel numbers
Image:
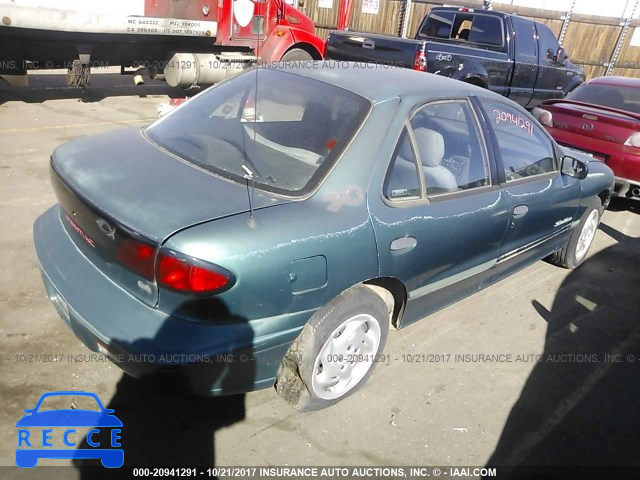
[
  {"x": 379, "y": 83},
  {"x": 497, "y": 13},
  {"x": 616, "y": 81}
]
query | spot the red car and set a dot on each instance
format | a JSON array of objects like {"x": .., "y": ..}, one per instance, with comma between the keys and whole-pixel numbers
[{"x": 601, "y": 118}]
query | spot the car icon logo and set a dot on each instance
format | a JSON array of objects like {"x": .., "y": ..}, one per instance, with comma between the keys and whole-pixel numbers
[
  {"x": 587, "y": 127},
  {"x": 53, "y": 433},
  {"x": 107, "y": 229}
]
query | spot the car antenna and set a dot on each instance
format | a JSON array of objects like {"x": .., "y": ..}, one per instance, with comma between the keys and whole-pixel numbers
[
  {"x": 249, "y": 177},
  {"x": 250, "y": 191}
]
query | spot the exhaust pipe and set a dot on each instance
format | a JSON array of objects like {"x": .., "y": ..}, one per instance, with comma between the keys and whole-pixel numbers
[
  {"x": 635, "y": 192},
  {"x": 155, "y": 75},
  {"x": 137, "y": 77}
]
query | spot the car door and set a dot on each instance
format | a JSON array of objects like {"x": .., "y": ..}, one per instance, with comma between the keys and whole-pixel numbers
[
  {"x": 250, "y": 21},
  {"x": 552, "y": 74},
  {"x": 439, "y": 217},
  {"x": 542, "y": 202},
  {"x": 525, "y": 69}
]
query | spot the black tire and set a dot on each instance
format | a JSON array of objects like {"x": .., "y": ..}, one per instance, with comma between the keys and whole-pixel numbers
[
  {"x": 295, "y": 55},
  {"x": 295, "y": 382},
  {"x": 566, "y": 257}
]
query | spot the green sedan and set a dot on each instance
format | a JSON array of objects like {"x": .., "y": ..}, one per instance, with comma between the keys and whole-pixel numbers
[{"x": 274, "y": 228}]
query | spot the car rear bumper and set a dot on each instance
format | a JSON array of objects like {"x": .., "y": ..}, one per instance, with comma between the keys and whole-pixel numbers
[
  {"x": 215, "y": 358},
  {"x": 623, "y": 160}
]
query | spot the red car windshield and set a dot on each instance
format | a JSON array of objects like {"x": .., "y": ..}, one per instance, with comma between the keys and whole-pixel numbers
[
  {"x": 612, "y": 96},
  {"x": 285, "y": 137}
]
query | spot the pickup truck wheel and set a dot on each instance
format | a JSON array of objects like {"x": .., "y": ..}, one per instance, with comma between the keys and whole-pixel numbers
[
  {"x": 336, "y": 351},
  {"x": 296, "y": 54},
  {"x": 575, "y": 251}
]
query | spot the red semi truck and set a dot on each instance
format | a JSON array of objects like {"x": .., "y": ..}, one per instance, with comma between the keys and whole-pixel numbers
[{"x": 190, "y": 42}]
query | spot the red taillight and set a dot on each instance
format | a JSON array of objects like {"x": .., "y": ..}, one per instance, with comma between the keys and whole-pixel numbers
[
  {"x": 420, "y": 61},
  {"x": 138, "y": 257},
  {"x": 182, "y": 275}
]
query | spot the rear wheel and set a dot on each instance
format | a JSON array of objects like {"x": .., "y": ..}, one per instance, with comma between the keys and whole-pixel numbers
[
  {"x": 575, "y": 251},
  {"x": 296, "y": 54},
  {"x": 336, "y": 351}
]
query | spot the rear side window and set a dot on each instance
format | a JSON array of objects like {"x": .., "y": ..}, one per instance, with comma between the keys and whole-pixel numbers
[
  {"x": 449, "y": 147},
  {"x": 525, "y": 149},
  {"x": 285, "y": 136},
  {"x": 525, "y": 37},
  {"x": 486, "y": 30},
  {"x": 442, "y": 147},
  {"x": 402, "y": 182}
]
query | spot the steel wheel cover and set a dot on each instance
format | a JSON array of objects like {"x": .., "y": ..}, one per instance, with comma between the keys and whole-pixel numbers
[
  {"x": 346, "y": 357},
  {"x": 587, "y": 234}
]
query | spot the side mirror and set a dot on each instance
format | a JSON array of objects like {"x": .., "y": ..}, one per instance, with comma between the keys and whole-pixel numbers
[
  {"x": 560, "y": 56},
  {"x": 573, "y": 167}
]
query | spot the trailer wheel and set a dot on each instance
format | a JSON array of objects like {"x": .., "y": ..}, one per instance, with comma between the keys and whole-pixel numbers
[{"x": 295, "y": 55}]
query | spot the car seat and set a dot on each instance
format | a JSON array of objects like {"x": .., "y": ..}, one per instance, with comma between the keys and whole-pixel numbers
[{"x": 430, "y": 146}]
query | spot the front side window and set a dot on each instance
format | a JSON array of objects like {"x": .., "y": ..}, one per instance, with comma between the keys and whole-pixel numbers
[
  {"x": 285, "y": 136},
  {"x": 525, "y": 149},
  {"x": 547, "y": 42}
]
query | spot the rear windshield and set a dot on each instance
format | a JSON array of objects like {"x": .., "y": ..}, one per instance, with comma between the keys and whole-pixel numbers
[
  {"x": 612, "y": 96},
  {"x": 285, "y": 137},
  {"x": 474, "y": 28}
]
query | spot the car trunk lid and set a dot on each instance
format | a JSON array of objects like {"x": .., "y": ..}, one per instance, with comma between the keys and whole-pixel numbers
[
  {"x": 602, "y": 123},
  {"x": 122, "y": 197}
]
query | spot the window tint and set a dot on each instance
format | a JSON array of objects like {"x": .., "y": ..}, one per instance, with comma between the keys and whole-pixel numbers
[
  {"x": 438, "y": 25},
  {"x": 486, "y": 30},
  {"x": 402, "y": 182},
  {"x": 614, "y": 96},
  {"x": 525, "y": 149},
  {"x": 481, "y": 29},
  {"x": 449, "y": 147},
  {"x": 547, "y": 42},
  {"x": 525, "y": 37},
  {"x": 287, "y": 134}
]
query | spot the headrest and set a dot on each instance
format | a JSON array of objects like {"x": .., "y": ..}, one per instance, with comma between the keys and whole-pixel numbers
[{"x": 431, "y": 146}]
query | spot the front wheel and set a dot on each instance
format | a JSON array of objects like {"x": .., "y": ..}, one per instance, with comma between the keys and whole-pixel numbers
[
  {"x": 336, "y": 351},
  {"x": 575, "y": 251},
  {"x": 295, "y": 55}
]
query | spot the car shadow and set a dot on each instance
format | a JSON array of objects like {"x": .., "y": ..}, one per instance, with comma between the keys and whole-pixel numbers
[
  {"x": 164, "y": 425},
  {"x": 624, "y": 204},
  {"x": 53, "y": 86},
  {"x": 579, "y": 407}
]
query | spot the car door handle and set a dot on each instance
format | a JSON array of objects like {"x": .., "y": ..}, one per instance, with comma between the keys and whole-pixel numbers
[
  {"x": 403, "y": 243},
  {"x": 368, "y": 43},
  {"x": 520, "y": 211}
]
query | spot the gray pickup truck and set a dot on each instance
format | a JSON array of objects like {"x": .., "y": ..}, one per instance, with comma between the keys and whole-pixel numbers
[{"x": 508, "y": 54}]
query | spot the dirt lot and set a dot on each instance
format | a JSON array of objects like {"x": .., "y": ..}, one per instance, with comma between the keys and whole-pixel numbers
[{"x": 437, "y": 401}]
